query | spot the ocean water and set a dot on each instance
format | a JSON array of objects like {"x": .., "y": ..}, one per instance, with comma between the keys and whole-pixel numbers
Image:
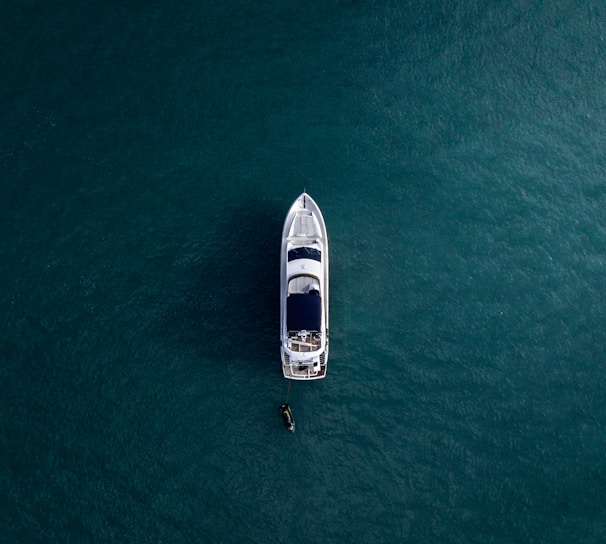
[{"x": 148, "y": 155}]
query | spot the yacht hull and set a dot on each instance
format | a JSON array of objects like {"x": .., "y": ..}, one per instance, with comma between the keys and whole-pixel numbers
[{"x": 304, "y": 292}]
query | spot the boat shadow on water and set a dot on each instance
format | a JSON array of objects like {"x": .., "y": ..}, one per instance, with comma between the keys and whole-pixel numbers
[{"x": 228, "y": 306}]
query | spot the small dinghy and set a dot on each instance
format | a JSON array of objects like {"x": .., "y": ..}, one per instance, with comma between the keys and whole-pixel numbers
[{"x": 289, "y": 420}]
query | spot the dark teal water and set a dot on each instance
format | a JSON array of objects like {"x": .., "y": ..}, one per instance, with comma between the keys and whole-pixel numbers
[{"x": 148, "y": 155}]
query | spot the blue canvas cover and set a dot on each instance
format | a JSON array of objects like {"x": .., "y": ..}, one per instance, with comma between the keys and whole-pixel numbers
[
  {"x": 304, "y": 253},
  {"x": 304, "y": 312}
]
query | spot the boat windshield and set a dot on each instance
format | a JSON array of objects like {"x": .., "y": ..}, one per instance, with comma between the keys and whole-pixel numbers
[{"x": 304, "y": 253}]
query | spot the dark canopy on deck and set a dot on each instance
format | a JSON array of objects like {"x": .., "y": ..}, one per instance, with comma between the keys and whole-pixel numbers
[
  {"x": 304, "y": 312},
  {"x": 304, "y": 253}
]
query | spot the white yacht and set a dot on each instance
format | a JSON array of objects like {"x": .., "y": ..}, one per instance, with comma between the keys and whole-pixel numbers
[{"x": 304, "y": 292}]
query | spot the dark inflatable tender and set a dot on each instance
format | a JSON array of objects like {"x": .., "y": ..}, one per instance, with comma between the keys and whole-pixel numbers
[{"x": 289, "y": 421}]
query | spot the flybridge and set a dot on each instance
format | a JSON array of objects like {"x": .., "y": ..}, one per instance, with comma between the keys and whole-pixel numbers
[{"x": 304, "y": 312}]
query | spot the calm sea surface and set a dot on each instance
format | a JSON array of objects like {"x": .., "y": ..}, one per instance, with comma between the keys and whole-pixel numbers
[{"x": 148, "y": 155}]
